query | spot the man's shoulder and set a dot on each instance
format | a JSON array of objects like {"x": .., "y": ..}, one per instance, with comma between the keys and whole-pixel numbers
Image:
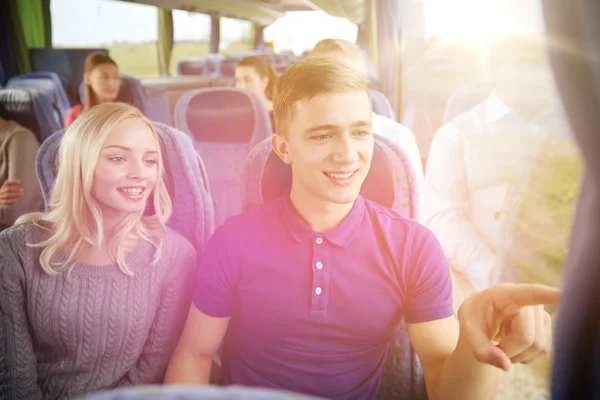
[{"x": 390, "y": 217}]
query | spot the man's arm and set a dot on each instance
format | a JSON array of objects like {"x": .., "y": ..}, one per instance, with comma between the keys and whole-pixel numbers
[
  {"x": 451, "y": 371},
  {"x": 499, "y": 326},
  {"x": 446, "y": 209},
  {"x": 192, "y": 359},
  {"x": 460, "y": 358},
  {"x": 209, "y": 314}
]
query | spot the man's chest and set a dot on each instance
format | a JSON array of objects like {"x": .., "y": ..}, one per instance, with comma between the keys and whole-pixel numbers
[{"x": 334, "y": 294}]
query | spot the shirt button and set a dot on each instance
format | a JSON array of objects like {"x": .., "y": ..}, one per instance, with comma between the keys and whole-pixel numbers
[
  {"x": 318, "y": 290},
  {"x": 319, "y": 240},
  {"x": 319, "y": 265}
]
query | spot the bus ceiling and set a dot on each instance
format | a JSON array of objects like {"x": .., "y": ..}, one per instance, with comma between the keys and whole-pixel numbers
[{"x": 265, "y": 12}]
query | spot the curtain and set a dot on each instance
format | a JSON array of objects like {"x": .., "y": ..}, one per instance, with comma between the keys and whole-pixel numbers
[
  {"x": 16, "y": 60},
  {"x": 165, "y": 40},
  {"x": 35, "y": 22}
]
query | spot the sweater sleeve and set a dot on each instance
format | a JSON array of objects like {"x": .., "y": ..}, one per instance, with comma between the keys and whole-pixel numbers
[
  {"x": 175, "y": 302},
  {"x": 22, "y": 149},
  {"x": 18, "y": 372}
]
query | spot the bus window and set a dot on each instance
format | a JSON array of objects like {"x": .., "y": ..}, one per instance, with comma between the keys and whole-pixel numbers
[
  {"x": 191, "y": 36},
  {"x": 107, "y": 24},
  {"x": 236, "y": 35}
]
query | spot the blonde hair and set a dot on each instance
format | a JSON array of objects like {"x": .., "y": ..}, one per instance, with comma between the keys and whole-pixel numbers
[
  {"x": 74, "y": 217},
  {"x": 310, "y": 77}
]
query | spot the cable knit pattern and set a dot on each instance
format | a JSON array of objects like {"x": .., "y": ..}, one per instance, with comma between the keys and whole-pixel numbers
[{"x": 64, "y": 336}]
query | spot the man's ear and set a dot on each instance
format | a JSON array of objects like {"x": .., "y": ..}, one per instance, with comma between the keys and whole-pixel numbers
[{"x": 282, "y": 148}]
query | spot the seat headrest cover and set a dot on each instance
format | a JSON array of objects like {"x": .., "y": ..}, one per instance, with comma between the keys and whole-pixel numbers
[
  {"x": 18, "y": 104},
  {"x": 224, "y": 115}
]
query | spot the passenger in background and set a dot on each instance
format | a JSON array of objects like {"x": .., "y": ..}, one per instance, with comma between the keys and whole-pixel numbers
[
  {"x": 477, "y": 162},
  {"x": 19, "y": 189},
  {"x": 476, "y": 157},
  {"x": 94, "y": 293},
  {"x": 344, "y": 50},
  {"x": 102, "y": 84},
  {"x": 256, "y": 74}
]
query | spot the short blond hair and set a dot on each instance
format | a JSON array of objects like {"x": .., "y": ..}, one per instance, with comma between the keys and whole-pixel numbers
[{"x": 310, "y": 77}]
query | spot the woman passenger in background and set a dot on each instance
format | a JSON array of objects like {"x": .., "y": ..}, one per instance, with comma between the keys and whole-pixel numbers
[
  {"x": 102, "y": 84},
  {"x": 256, "y": 74}
]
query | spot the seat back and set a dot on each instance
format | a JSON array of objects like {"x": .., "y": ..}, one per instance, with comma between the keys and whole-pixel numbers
[
  {"x": 381, "y": 105},
  {"x": 51, "y": 90},
  {"x": 391, "y": 183},
  {"x": 30, "y": 108},
  {"x": 67, "y": 63},
  {"x": 131, "y": 92},
  {"x": 62, "y": 99},
  {"x": 193, "y": 211},
  {"x": 224, "y": 124},
  {"x": 466, "y": 97}
]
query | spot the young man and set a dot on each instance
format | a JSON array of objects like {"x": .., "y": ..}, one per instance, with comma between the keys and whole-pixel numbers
[
  {"x": 345, "y": 51},
  {"x": 307, "y": 291}
]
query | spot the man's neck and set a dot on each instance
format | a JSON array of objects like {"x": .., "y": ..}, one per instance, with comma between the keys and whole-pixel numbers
[{"x": 320, "y": 215}]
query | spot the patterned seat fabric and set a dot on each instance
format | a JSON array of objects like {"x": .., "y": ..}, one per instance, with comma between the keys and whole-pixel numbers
[{"x": 224, "y": 124}]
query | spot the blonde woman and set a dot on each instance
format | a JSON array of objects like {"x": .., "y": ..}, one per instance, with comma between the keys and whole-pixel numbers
[{"x": 94, "y": 293}]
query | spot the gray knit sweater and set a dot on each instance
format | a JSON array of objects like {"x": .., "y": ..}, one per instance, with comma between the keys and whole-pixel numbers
[{"x": 95, "y": 330}]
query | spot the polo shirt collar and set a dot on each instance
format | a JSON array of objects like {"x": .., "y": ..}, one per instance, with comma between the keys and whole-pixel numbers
[{"x": 340, "y": 236}]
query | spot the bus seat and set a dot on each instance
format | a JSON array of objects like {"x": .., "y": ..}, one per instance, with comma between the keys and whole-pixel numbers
[
  {"x": 62, "y": 97},
  {"x": 158, "y": 109},
  {"x": 391, "y": 183},
  {"x": 48, "y": 82},
  {"x": 193, "y": 210},
  {"x": 381, "y": 105},
  {"x": 224, "y": 124},
  {"x": 131, "y": 92},
  {"x": 213, "y": 64},
  {"x": 466, "y": 97},
  {"x": 28, "y": 107},
  {"x": 178, "y": 392},
  {"x": 191, "y": 66},
  {"x": 228, "y": 67}
]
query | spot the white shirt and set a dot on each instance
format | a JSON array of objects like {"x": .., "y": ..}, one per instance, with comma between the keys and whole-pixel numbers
[
  {"x": 473, "y": 160},
  {"x": 406, "y": 141}
]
